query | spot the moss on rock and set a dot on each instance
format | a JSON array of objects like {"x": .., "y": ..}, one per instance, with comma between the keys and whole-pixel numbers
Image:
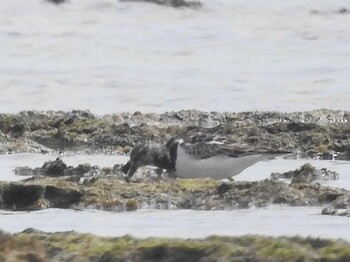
[{"x": 40, "y": 246}]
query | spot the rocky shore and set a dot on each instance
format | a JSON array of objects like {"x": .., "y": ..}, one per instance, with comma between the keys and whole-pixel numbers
[
  {"x": 32, "y": 245},
  {"x": 57, "y": 185},
  {"x": 318, "y": 133}
]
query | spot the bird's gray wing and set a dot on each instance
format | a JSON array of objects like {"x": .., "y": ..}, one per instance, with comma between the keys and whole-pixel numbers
[{"x": 204, "y": 150}]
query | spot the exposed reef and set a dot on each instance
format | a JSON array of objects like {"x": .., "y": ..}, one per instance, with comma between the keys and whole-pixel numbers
[
  {"x": 320, "y": 133},
  {"x": 32, "y": 245},
  {"x": 307, "y": 174},
  {"x": 316, "y": 134},
  {"x": 17, "y": 196},
  {"x": 93, "y": 187}
]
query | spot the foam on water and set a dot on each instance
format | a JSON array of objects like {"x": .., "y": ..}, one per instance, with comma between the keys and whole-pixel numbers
[{"x": 110, "y": 56}]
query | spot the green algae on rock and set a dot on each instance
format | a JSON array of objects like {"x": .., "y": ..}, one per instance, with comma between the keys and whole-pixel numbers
[
  {"x": 32, "y": 245},
  {"x": 198, "y": 194},
  {"x": 317, "y": 132}
]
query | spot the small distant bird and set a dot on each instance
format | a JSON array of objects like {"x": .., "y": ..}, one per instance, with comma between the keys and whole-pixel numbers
[{"x": 209, "y": 158}]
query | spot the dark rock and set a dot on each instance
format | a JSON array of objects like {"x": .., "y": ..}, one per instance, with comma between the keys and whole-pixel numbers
[
  {"x": 6, "y": 122},
  {"x": 113, "y": 194},
  {"x": 172, "y": 3},
  {"x": 61, "y": 198},
  {"x": 54, "y": 168},
  {"x": 335, "y": 212},
  {"x": 329, "y": 211},
  {"x": 328, "y": 155},
  {"x": 307, "y": 174},
  {"x": 17, "y": 130},
  {"x": 223, "y": 188},
  {"x": 83, "y": 114},
  {"x": 24, "y": 171},
  {"x": 316, "y": 132},
  {"x": 57, "y": 1},
  {"x": 16, "y": 196},
  {"x": 20, "y": 197},
  {"x": 298, "y": 127},
  {"x": 55, "y": 139},
  {"x": 329, "y": 196},
  {"x": 107, "y": 257},
  {"x": 343, "y": 11},
  {"x": 81, "y": 169},
  {"x": 344, "y": 213},
  {"x": 69, "y": 121},
  {"x": 163, "y": 253},
  {"x": 341, "y": 201},
  {"x": 280, "y": 127},
  {"x": 83, "y": 173}
]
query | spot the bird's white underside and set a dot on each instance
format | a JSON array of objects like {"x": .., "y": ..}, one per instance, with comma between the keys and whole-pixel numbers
[{"x": 218, "y": 167}]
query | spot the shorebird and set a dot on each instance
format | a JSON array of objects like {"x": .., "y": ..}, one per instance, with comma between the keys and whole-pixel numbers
[{"x": 202, "y": 159}]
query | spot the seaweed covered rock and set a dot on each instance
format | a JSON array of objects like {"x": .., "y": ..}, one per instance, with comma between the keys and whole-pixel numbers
[
  {"x": 336, "y": 212},
  {"x": 318, "y": 133},
  {"x": 54, "y": 168},
  {"x": 111, "y": 193},
  {"x": 57, "y": 168},
  {"x": 105, "y": 188},
  {"x": 16, "y": 196},
  {"x": 62, "y": 198},
  {"x": 33, "y": 245},
  {"x": 20, "y": 197}
]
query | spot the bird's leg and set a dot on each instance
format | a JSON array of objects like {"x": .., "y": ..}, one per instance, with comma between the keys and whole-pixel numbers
[
  {"x": 132, "y": 171},
  {"x": 126, "y": 167},
  {"x": 159, "y": 172}
]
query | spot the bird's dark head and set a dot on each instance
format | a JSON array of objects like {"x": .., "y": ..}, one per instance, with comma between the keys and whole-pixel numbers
[
  {"x": 174, "y": 142},
  {"x": 172, "y": 147}
]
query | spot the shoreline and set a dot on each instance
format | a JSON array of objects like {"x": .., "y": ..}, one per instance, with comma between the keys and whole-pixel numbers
[
  {"x": 318, "y": 133},
  {"x": 309, "y": 134},
  {"x": 41, "y": 246}
]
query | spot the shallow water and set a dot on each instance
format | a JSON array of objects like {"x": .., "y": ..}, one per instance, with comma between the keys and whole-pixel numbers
[
  {"x": 263, "y": 169},
  {"x": 110, "y": 56},
  {"x": 258, "y": 171},
  {"x": 272, "y": 221}
]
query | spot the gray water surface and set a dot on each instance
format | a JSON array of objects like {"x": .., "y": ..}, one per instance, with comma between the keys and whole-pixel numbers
[
  {"x": 112, "y": 56},
  {"x": 272, "y": 221}
]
